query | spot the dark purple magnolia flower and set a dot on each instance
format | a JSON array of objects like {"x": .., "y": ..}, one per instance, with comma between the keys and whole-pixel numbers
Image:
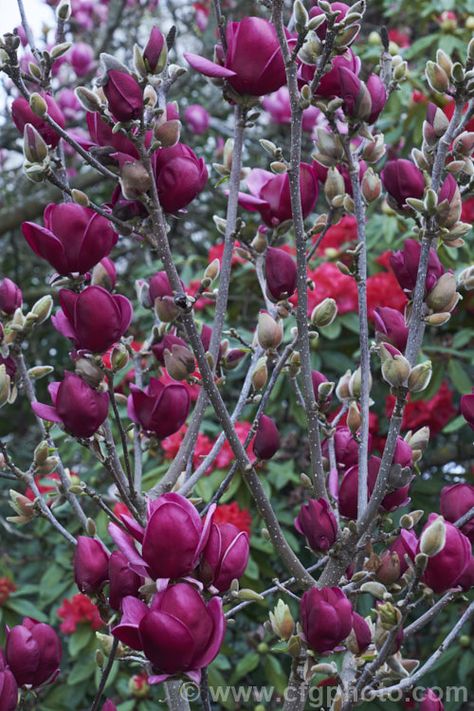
[
  {"x": 166, "y": 343},
  {"x": 402, "y": 179},
  {"x": 340, "y": 7},
  {"x": 444, "y": 569},
  {"x": 123, "y": 580},
  {"x": 178, "y": 633},
  {"x": 11, "y": 297},
  {"x": 321, "y": 173},
  {"x": 466, "y": 581},
  {"x": 102, "y": 135},
  {"x": 158, "y": 408},
  {"x": 33, "y": 653},
  {"x": 225, "y": 556},
  {"x": 326, "y": 618},
  {"x": 346, "y": 447},
  {"x": 390, "y": 326},
  {"x": 253, "y": 63},
  {"x": 330, "y": 84},
  {"x": 73, "y": 239},
  {"x": 153, "y": 52},
  {"x": 456, "y": 500},
  {"x": 317, "y": 522},
  {"x": 8, "y": 687},
  {"x": 362, "y": 101},
  {"x": 467, "y": 408},
  {"x": 77, "y": 406},
  {"x": 350, "y": 484},
  {"x": 109, "y": 706},
  {"x": 405, "y": 264},
  {"x": 91, "y": 565},
  {"x": 94, "y": 319},
  {"x": 393, "y": 562},
  {"x": 431, "y": 702},
  {"x": 267, "y": 438},
  {"x": 197, "y": 119},
  {"x": 23, "y": 114},
  {"x": 170, "y": 517},
  {"x": 179, "y": 175},
  {"x": 362, "y": 633},
  {"x": 270, "y": 194},
  {"x": 124, "y": 95},
  {"x": 280, "y": 273}
]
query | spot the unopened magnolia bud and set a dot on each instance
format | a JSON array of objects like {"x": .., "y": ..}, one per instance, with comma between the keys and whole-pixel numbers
[
  {"x": 269, "y": 331},
  {"x": 80, "y": 197},
  {"x": 437, "y": 319},
  {"x": 388, "y": 615},
  {"x": 63, "y": 11},
  {"x": 40, "y": 371},
  {"x": 89, "y": 371},
  {"x": 119, "y": 358},
  {"x": 260, "y": 374},
  {"x": 443, "y": 297},
  {"x": 395, "y": 368},
  {"x": 282, "y": 621},
  {"x": 248, "y": 594},
  {"x": 420, "y": 377},
  {"x": 433, "y": 538},
  {"x": 342, "y": 387},
  {"x": 179, "y": 362},
  {"x": 355, "y": 383},
  {"x": 354, "y": 419},
  {"x": 259, "y": 243},
  {"x": 466, "y": 279},
  {"x": 325, "y": 391},
  {"x": 89, "y": 100},
  {"x": 23, "y": 506},
  {"x": 324, "y": 313},
  {"x": 400, "y": 71},
  {"x": 278, "y": 167},
  {"x": 42, "y": 309},
  {"x": 41, "y": 453},
  {"x": 168, "y": 133},
  {"x": 306, "y": 481},
  {"x": 34, "y": 147},
  {"x": 436, "y": 77},
  {"x": 333, "y": 185},
  {"x": 418, "y": 439},
  {"x": 371, "y": 186},
  {"x": 212, "y": 270},
  {"x": 374, "y": 150},
  {"x": 4, "y": 386},
  {"x": 376, "y": 589},
  {"x": 38, "y": 104}
]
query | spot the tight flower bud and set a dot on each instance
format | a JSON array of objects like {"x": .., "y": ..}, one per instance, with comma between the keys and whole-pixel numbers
[
  {"x": 326, "y": 618},
  {"x": 444, "y": 296},
  {"x": 269, "y": 331},
  {"x": 91, "y": 565},
  {"x": 420, "y": 377},
  {"x": 333, "y": 185},
  {"x": 395, "y": 367},
  {"x": 260, "y": 374},
  {"x": 225, "y": 556},
  {"x": 436, "y": 77},
  {"x": 282, "y": 621},
  {"x": 324, "y": 313},
  {"x": 267, "y": 438},
  {"x": 11, "y": 297},
  {"x": 33, "y": 653},
  {"x": 124, "y": 95},
  {"x": 444, "y": 569},
  {"x": 34, "y": 147},
  {"x": 155, "y": 53},
  {"x": 371, "y": 186},
  {"x": 280, "y": 273},
  {"x": 431, "y": 702},
  {"x": 433, "y": 538},
  {"x": 317, "y": 523},
  {"x": 179, "y": 362}
]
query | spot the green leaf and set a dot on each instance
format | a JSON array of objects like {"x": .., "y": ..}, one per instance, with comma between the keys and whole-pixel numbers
[
  {"x": 25, "y": 608},
  {"x": 459, "y": 378},
  {"x": 455, "y": 425},
  {"x": 245, "y": 666},
  {"x": 82, "y": 670},
  {"x": 80, "y": 639}
]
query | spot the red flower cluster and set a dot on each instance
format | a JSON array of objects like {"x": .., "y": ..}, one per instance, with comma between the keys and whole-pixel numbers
[
  {"x": 338, "y": 236},
  {"x": 232, "y": 513},
  {"x": 434, "y": 413},
  {"x": 77, "y": 610},
  {"x": 7, "y": 586}
]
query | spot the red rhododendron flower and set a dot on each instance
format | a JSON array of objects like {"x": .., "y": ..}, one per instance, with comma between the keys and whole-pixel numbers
[
  {"x": 384, "y": 290},
  {"x": 338, "y": 236},
  {"x": 226, "y": 456},
  {"x": 202, "y": 447},
  {"x": 329, "y": 282},
  {"x": 435, "y": 413},
  {"x": 43, "y": 486},
  {"x": 7, "y": 586},
  {"x": 449, "y": 111},
  {"x": 121, "y": 509},
  {"x": 232, "y": 513},
  {"x": 467, "y": 214},
  {"x": 399, "y": 37},
  {"x": 76, "y": 610}
]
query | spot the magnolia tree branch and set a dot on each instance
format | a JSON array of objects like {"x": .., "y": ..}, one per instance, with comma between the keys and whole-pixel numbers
[
  {"x": 410, "y": 681},
  {"x": 297, "y": 689},
  {"x": 30, "y": 393},
  {"x": 314, "y": 439}
]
